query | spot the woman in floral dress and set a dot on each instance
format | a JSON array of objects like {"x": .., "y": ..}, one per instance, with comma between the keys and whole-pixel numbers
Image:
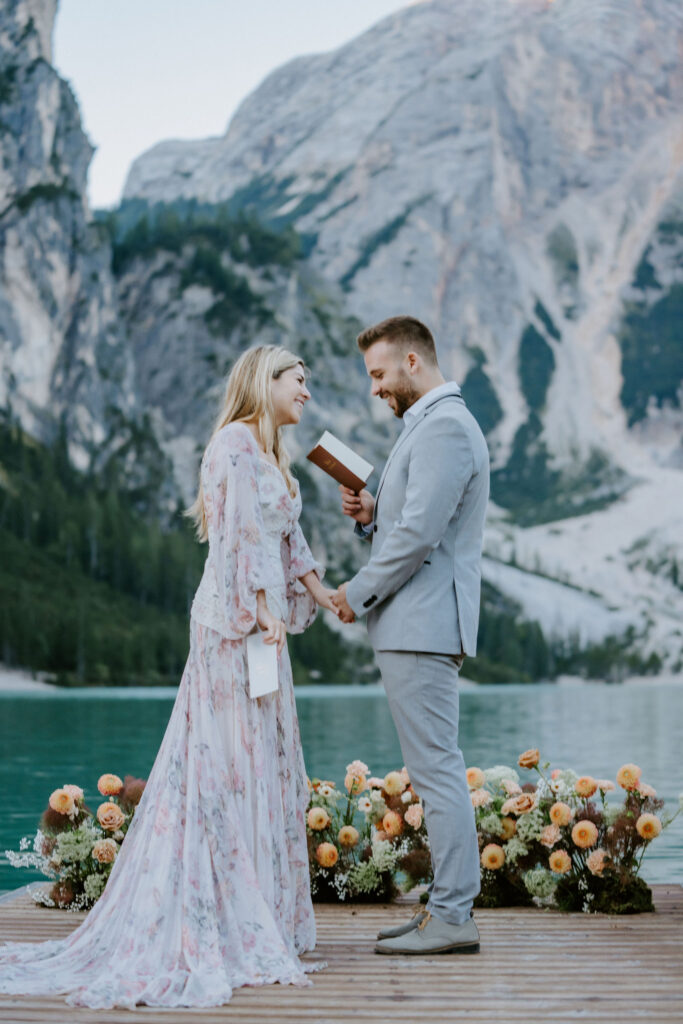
[{"x": 211, "y": 888}]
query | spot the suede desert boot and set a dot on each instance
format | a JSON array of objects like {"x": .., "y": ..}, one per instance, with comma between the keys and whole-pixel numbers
[
  {"x": 433, "y": 935},
  {"x": 392, "y": 933}
]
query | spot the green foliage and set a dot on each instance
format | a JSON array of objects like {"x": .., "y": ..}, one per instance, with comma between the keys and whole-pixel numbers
[
  {"x": 89, "y": 586},
  {"x": 481, "y": 398},
  {"x": 561, "y": 249},
  {"x": 49, "y": 193},
  {"x": 547, "y": 321},
  {"x": 8, "y": 77},
  {"x": 235, "y": 297},
  {"x": 509, "y": 649},
  {"x": 610, "y": 894},
  {"x": 651, "y": 341},
  {"x": 138, "y": 229},
  {"x": 536, "y": 366}
]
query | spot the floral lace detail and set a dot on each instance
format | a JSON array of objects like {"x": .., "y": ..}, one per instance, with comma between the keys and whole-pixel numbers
[{"x": 211, "y": 888}]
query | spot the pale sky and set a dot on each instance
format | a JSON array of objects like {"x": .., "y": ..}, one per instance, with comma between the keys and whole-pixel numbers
[{"x": 147, "y": 70}]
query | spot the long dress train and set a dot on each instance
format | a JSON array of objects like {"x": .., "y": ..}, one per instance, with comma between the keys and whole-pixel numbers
[{"x": 210, "y": 890}]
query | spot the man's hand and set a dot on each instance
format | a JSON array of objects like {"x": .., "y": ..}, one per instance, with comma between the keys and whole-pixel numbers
[
  {"x": 358, "y": 506},
  {"x": 344, "y": 609}
]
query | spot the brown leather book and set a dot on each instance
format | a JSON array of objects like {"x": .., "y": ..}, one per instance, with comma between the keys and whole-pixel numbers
[{"x": 340, "y": 462}]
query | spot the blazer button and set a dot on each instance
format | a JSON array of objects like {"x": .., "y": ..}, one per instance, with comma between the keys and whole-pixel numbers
[{"x": 375, "y": 528}]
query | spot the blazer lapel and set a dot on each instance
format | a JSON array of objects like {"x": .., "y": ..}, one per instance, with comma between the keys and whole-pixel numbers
[{"x": 455, "y": 393}]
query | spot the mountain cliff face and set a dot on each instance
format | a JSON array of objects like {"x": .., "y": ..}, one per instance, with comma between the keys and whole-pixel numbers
[
  {"x": 511, "y": 173},
  {"x": 508, "y": 171}
]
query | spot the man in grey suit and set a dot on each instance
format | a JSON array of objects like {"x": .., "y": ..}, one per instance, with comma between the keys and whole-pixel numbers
[{"x": 420, "y": 590}]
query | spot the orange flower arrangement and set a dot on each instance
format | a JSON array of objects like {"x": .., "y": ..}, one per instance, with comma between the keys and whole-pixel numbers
[
  {"x": 509, "y": 827},
  {"x": 109, "y": 785},
  {"x": 327, "y": 855},
  {"x": 529, "y": 759},
  {"x": 348, "y": 836},
  {"x": 493, "y": 856},
  {"x": 560, "y": 862},
  {"x": 110, "y": 816},
  {"x": 318, "y": 818},
  {"x": 648, "y": 826},
  {"x": 596, "y": 862},
  {"x": 394, "y": 783},
  {"x": 61, "y": 801},
  {"x": 628, "y": 776},
  {"x": 561, "y": 813},
  {"x": 392, "y": 824},
  {"x": 475, "y": 778},
  {"x": 585, "y": 786},
  {"x": 585, "y": 834}
]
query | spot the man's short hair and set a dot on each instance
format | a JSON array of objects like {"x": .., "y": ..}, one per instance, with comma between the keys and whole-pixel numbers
[{"x": 404, "y": 331}]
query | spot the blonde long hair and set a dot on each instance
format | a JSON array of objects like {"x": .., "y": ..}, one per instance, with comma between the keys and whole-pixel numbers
[{"x": 248, "y": 398}]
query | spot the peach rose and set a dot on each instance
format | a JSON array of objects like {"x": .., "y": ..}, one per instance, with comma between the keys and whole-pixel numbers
[
  {"x": 327, "y": 855},
  {"x": 62, "y": 802},
  {"x": 318, "y": 819},
  {"x": 104, "y": 851},
  {"x": 493, "y": 856},
  {"x": 585, "y": 834},
  {"x": 560, "y": 862},
  {"x": 596, "y": 862},
  {"x": 75, "y": 792},
  {"x": 585, "y": 786},
  {"x": 404, "y": 775},
  {"x": 475, "y": 778},
  {"x": 511, "y": 787},
  {"x": 509, "y": 826},
  {"x": 380, "y": 835},
  {"x": 480, "y": 797},
  {"x": 414, "y": 815},
  {"x": 605, "y": 785},
  {"x": 355, "y": 784},
  {"x": 529, "y": 759},
  {"x": 648, "y": 826},
  {"x": 375, "y": 783},
  {"x": 550, "y": 835},
  {"x": 110, "y": 816},
  {"x": 394, "y": 783},
  {"x": 357, "y": 768},
  {"x": 521, "y": 804},
  {"x": 348, "y": 835},
  {"x": 628, "y": 776},
  {"x": 392, "y": 824},
  {"x": 645, "y": 789},
  {"x": 561, "y": 814},
  {"x": 109, "y": 785},
  {"x": 555, "y": 773}
]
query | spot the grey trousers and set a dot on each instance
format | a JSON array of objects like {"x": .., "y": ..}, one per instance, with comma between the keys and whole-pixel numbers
[{"x": 422, "y": 691}]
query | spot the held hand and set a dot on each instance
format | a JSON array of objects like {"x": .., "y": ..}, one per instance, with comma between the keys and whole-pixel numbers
[
  {"x": 344, "y": 609},
  {"x": 274, "y": 631},
  {"x": 358, "y": 506},
  {"x": 326, "y": 600}
]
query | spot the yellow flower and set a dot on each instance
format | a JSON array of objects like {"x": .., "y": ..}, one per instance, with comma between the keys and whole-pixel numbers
[
  {"x": 596, "y": 862},
  {"x": 561, "y": 814},
  {"x": 327, "y": 855},
  {"x": 109, "y": 785},
  {"x": 475, "y": 778},
  {"x": 394, "y": 783},
  {"x": 585, "y": 834},
  {"x": 628, "y": 776},
  {"x": 110, "y": 816},
  {"x": 493, "y": 856},
  {"x": 560, "y": 862},
  {"x": 529, "y": 759},
  {"x": 648, "y": 826},
  {"x": 318, "y": 818},
  {"x": 348, "y": 835},
  {"x": 392, "y": 824},
  {"x": 355, "y": 784},
  {"x": 509, "y": 826},
  {"x": 585, "y": 786},
  {"x": 61, "y": 801}
]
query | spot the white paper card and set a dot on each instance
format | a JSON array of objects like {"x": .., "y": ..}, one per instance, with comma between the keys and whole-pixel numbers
[
  {"x": 262, "y": 666},
  {"x": 352, "y": 460}
]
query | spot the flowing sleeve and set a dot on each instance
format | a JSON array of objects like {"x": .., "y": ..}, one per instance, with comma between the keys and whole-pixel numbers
[
  {"x": 237, "y": 534},
  {"x": 298, "y": 561}
]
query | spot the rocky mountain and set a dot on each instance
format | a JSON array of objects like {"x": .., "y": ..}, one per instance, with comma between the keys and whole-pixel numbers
[{"x": 510, "y": 172}]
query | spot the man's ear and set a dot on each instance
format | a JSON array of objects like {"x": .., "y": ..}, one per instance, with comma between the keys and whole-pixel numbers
[{"x": 412, "y": 362}]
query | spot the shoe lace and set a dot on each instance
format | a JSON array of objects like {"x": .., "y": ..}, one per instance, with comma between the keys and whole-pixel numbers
[
  {"x": 425, "y": 921},
  {"x": 419, "y": 909}
]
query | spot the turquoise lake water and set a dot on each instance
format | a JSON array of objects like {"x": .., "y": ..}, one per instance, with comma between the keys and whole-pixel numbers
[{"x": 73, "y": 736}]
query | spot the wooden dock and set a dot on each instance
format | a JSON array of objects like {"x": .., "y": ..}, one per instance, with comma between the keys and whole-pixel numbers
[{"x": 535, "y": 966}]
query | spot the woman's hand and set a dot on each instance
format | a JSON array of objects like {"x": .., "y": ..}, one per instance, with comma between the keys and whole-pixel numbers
[
  {"x": 324, "y": 599},
  {"x": 274, "y": 630},
  {"x": 320, "y": 594}
]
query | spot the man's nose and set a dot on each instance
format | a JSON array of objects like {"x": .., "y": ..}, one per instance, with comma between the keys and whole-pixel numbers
[{"x": 375, "y": 388}]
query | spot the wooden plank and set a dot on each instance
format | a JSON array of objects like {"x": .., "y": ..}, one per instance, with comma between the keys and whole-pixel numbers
[{"x": 579, "y": 955}]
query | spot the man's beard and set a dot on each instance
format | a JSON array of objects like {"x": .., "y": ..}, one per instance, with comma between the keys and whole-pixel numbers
[{"x": 404, "y": 395}]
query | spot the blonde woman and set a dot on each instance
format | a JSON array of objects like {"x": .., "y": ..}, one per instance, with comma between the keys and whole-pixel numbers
[{"x": 210, "y": 890}]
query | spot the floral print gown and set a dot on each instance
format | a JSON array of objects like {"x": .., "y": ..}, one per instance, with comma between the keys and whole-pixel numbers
[{"x": 210, "y": 890}]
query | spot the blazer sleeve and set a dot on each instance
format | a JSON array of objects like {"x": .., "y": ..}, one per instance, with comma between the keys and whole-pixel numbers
[
  {"x": 237, "y": 535},
  {"x": 441, "y": 466}
]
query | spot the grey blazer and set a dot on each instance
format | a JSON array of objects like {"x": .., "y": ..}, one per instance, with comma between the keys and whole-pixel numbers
[{"x": 421, "y": 587}]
